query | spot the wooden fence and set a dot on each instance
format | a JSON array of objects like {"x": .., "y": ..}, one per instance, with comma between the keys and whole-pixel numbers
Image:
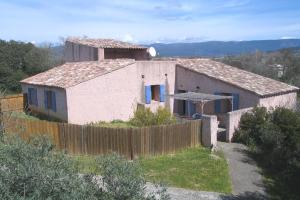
[
  {"x": 12, "y": 103},
  {"x": 129, "y": 142}
]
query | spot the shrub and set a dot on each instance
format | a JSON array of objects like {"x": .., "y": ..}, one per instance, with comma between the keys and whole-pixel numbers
[
  {"x": 34, "y": 170},
  {"x": 124, "y": 180},
  {"x": 276, "y": 136},
  {"x": 250, "y": 126},
  {"x": 144, "y": 117},
  {"x": 163, "y": 116}
]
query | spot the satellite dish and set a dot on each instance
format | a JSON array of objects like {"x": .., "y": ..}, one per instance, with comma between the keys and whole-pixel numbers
[{"x": 151, "y": 51}]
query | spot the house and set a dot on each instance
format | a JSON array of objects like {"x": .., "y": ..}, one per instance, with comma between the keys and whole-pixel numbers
[{"x": 108, "y": 89}]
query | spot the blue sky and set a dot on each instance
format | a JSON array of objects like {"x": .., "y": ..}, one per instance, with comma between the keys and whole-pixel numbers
[{"x": 147, "y": 21}]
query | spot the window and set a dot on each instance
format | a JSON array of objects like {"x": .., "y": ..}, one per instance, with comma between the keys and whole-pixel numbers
[
  {"x": 155, "y": 93},
  {"x": 32, "y": 96},
  {"x": 50, "y": 100},
  {"x": 223, "y": 106}
]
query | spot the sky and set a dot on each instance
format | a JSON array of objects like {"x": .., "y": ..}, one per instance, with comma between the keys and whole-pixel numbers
[{"x": 149, "y": 21}]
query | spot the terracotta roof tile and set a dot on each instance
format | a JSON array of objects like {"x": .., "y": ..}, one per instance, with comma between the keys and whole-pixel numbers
[
  {"x": 73, "y": 73},
  {"x": 243, "y": 79},
  {"x": 104, "y": 43}
]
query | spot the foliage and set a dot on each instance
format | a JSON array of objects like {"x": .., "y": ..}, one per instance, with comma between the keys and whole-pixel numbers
[
  {"x": 194, "y": 168},
  {"x": 124, "y": 180},
  {"x": 276, "y": 137},
  {"x": 34, "y": 170},
  {"x": 145, "y": 117},
  {"x": 19, "y": 60},
  {"x": 267, "y": 64},
  {"x": 112, "y": 124}
]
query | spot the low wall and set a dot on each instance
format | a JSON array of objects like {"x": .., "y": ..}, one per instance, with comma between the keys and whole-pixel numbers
[
  {"x": 209, "y": 130},
  {"x": 232, "y": 120}
]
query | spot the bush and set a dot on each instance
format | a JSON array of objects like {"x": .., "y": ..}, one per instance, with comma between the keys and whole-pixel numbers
[
  {"x": 276, "y": 137},
  {"x": 124, "y": 180},
  {"x": 250, "y": 126},
  {"x": 34, "y": 170},
  {"x": 144, "y": 117}
]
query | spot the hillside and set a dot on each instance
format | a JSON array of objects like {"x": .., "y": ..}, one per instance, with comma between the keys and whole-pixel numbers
[{"x": 220, "y": 48}]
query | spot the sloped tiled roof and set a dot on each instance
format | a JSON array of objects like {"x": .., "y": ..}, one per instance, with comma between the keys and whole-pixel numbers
[
  {"x": 260, "y": 85},
  {"x": 104, "y": 43},
  {"x": 70, "y": 74}
]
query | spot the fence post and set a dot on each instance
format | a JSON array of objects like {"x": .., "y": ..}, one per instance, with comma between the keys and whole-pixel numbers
[
  {"x": 131, "y": 143},
  {"x": 82, "y": 147}
]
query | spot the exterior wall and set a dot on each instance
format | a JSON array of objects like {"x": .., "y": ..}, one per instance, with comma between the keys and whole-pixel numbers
[
  {"x": 105, "y": 98},
  {"x": 76, "y": 52},
  {"x": 232, "y": 120},
  {"x": 209, "y": 130},
  {"x": 61, "y": 103},
  {"x": 188, "y": 80},
  {"x": 156, "y": 73},
  {"x": 137, "y": 54},
  {"x": 288, "y": 100},
  {"x": 100, "y": 54},
  {"x": 116, "y": 95}
]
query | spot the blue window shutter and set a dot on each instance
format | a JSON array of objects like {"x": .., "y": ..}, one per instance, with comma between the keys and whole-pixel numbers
[
  {"x": 148, "y": 94},
  {"x": 186, "y": 107},
  {"x": 217, "y": 104},
  {"x": 46, "y": 99},
  {"x": 192, "y": 108},
  {"x": 236, "y": 101},
  {"x": 35, "y": 97},
  {"x": 53, "y": 98},
  {"x": 162, "y": 93},
  {"x": 30, "y": 96}
]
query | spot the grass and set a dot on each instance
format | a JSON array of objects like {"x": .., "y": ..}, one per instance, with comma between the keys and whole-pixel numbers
[
  {"x": 194, "y": 168},
  {"x": 113, "y": 124},
  {"x": 23, "y": 115}
]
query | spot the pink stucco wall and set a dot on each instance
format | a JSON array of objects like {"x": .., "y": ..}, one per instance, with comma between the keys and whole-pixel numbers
[
  {"x": 115, "y": 95},
  {"x": 61, "y": 103},
  {"x": 232, "y": 120},
  {"x": 76, "y": 52},
  {"x": 288, "y": 100},
  {"x": 156, "y": 73}
]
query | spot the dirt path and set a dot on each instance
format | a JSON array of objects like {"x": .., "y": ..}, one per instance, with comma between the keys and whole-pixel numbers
[{"x": 245, "y": 176}]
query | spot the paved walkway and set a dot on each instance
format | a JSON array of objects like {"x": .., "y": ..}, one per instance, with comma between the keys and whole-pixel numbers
[{"x": 245, "y": 176}]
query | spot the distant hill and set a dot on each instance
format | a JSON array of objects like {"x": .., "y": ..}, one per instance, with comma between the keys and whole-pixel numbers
[{"x": 220, "y": 48}]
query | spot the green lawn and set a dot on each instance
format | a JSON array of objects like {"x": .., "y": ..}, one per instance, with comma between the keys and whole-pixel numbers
[
  {"x": 23, "y": 115},
  {"x": 194, "y": 168},
  {"x": 113, "y": 124}
]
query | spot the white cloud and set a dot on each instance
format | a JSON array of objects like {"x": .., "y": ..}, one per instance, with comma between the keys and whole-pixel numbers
[
  {"x": 128, "y": 38},
  {"x": 287, "y": 37}
]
